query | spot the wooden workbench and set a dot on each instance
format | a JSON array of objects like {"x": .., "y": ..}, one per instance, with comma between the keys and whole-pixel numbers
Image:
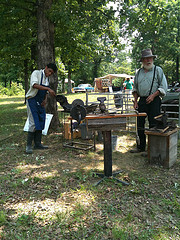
[{"x": 107, "y": 123}]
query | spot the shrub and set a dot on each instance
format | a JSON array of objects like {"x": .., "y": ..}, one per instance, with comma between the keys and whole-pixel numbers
[{"x": 15, "y": 89}]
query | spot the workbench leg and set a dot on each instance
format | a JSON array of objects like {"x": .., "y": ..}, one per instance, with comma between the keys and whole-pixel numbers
[
  {"x": 108, "y": 160},
  {"x": 107, "y": 153}
]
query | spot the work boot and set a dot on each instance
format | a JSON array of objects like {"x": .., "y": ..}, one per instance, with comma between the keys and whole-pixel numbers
[
  {"x": 30, "y": 138},
  {"x": 37, "y": 140},
  {"x": 144, "y": 154},
  {"x": 136, "y": 150}
]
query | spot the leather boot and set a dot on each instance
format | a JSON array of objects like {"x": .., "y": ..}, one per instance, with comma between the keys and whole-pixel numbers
[
  {"x": 30, "y": 138},
  {"x": 37, "y": 140}
]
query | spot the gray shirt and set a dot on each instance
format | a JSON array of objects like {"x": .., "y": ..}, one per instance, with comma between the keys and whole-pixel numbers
[{"x": 143, "y": 82}]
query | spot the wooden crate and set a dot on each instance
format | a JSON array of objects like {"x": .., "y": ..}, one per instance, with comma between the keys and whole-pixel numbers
[
  {"x": 162, "y": 147},
  {"x": 67, "y": 132}
]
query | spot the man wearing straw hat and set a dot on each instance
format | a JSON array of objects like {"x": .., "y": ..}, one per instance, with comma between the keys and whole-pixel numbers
[{"x": 149, "y": 85}]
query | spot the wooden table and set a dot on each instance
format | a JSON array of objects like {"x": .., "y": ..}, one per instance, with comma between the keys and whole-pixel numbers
[{"x": 107, "y": 123}]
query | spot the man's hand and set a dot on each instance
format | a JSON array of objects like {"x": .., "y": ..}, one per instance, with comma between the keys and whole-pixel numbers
[
  {"x": 43, "y": 104},
  {"x": 40, "y": 87},
  {"x": 135, "y": 104},
  {"x": 51, "y": 92},
  {"x": 151, "y": 97}
]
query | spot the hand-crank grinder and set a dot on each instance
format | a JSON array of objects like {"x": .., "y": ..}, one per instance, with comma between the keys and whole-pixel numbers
[{"x": 78, "y": 111}]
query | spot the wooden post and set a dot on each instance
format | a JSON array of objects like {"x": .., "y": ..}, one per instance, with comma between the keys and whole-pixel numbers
[{"x": 107, "y": 154}]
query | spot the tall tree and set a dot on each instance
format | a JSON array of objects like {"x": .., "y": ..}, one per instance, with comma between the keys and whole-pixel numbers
[
  {"x": 79, "y": 27},
  {"x": 46, "y": 52},
  {"x": 28, "y": 36},
  {"x": 17, "y": 25},
  {"x": 154, "y": 24}
]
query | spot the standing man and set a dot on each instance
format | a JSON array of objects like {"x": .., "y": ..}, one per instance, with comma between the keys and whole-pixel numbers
[
  {"x": 149, "y": 85},
  {"x": 36, "y": 101}
]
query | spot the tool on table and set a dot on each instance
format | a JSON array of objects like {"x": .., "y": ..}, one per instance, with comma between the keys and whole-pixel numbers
[
  {"x": 162, "y": 125},
  {"x": 102, "y": 105},
  {"x": 137, "y": 136},
  {"x": 78, "y": 111},
  {"x": 67, "y": 106}
]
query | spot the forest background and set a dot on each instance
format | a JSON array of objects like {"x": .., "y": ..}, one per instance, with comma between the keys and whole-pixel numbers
[{"x": 86, "y": 38}]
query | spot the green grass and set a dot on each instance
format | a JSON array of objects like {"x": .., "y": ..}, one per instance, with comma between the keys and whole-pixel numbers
[{"x": 51, "y": 195}]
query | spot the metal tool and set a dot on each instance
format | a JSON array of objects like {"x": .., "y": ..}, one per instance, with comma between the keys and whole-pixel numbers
[
  {"x": 64, "y": 103},
  {"x": 161, "y": 121},
  {"x": 67, "y": 106},
  {"x": 137, "y": 136},
  {"x": 78, "y": 113},
  {"x": 77, "y": 102},
  {"x": 162, "y": 124},
  {"x": 102, "y": 106}
]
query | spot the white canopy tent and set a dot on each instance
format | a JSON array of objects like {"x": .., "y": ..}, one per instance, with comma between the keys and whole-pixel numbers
[{"x": 112, "y": 76}]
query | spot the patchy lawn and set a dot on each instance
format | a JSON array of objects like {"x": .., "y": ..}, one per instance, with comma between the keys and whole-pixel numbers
[{"x": 51, "y": 194}]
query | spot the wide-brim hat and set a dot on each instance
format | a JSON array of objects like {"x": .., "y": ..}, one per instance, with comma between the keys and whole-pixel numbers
[{"x": 147, "y": 53}]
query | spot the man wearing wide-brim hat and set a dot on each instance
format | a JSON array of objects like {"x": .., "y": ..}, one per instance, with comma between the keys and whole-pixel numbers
[
  {"x": 149, "y": 85},
  {"x": 146, "y": 54}
]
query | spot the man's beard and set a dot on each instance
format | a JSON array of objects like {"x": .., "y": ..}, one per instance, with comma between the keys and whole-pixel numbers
[{"x": 148, "y": 65}]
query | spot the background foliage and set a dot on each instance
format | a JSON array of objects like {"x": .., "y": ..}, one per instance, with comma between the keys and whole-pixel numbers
[{"x": 91, "y": 39}]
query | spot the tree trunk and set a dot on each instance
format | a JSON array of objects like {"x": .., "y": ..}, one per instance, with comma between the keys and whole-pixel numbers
[
  {"x": 26, "y": 76},
  {"x": 177, "y": 40},
  {"x": 177, "y": 69},
  {"x": 69, "y": 90},
  {"x": 62, "y": 84},
  {"x": 96, "y": 68},
  {"x": 46, "y": 54}
]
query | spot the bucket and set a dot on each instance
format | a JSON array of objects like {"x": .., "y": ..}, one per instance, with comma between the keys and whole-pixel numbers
[
  {"x": 84, "y": 133},
  {"x": 114, "y": 141}
]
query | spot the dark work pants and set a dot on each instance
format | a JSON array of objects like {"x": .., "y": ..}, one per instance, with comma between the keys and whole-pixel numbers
[{"x": 152, "y": 110}]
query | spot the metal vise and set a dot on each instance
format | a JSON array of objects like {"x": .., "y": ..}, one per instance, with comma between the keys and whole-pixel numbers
[
  {"x": 102, "y": 106},
  {"x": 161, "y": 121},
  {"x": 163, "y": 124}
]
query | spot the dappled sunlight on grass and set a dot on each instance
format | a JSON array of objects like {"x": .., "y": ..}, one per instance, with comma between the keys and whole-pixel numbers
[
  {"x": 45, "y": 174},
  {"x": 11, "y": 102},
  {"x": 124, "y": 144},
  {"x": 32, "y": 169},
  {"x": 21, "y": 107},
  {"x": 48, "y": 208},
  {"x": 8, "y": 102},
  {"x": 80, "y": 196},
  {"x": 44, "y": 209},
  {"x": 28, "y": 168}
]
